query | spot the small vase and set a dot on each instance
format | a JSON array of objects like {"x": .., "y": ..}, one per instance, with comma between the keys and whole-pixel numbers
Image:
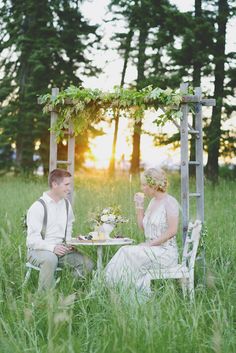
[{"x": 107, "y": 228}]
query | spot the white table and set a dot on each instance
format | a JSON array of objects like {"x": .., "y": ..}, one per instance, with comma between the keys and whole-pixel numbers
[{"x": 100, "y": 244}]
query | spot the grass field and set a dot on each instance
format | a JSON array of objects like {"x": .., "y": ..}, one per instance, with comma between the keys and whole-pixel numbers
[{"x": 84, "y": 316}]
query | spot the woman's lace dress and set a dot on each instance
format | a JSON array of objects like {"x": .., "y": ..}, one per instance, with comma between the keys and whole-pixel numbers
[{"x": 131, "y": 264}]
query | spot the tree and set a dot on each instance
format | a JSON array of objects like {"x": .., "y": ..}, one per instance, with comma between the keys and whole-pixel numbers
[
  {"x": 142, "y": 39},
  {"x": 194, "y": 55},
  {"x": 149, "y": 20},
  {"x": 127, "y": 49},
  {"x": 48, "y": 40},
  {"x": 214, "y": 130},
  {"x": 202, "y": 54}
]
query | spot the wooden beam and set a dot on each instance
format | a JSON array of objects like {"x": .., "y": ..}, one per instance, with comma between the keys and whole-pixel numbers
[
  {"x": 199, "y": 158},
  {"x": 71, "y": 158},
  {"x": 208, "y": 102},
  {"x": 190, "y": 99},
  {"x": 186, "y": 99},
  {"x": 53, "y": 142},
  {"x": 184, "y": 164}
]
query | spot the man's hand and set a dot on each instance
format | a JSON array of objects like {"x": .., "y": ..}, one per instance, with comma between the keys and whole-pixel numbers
[{"x": 61, "y": 249}]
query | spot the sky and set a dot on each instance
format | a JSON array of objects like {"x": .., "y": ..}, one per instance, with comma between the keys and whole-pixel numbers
[{"x": 110, "y": 62}]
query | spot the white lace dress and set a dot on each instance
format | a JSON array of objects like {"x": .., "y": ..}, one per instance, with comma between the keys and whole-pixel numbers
[{"x": 131, "y": 264}]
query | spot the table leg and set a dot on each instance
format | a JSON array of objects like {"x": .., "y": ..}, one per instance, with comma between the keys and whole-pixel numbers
[{"x": 99, "y": 258}]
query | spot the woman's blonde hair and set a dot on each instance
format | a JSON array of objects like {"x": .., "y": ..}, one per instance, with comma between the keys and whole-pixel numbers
[{"x": 155, "y": 178}]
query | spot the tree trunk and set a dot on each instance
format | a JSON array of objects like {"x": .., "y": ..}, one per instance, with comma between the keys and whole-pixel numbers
[
  {"x": 135, "y": 160},
  {"x": 25, "y": 133},
  {"x": 117, "y": 112},
  {"x": 44, "y": 152},
  {"x": 113, "y": 153},
  {"x": 214, "y": 130}
]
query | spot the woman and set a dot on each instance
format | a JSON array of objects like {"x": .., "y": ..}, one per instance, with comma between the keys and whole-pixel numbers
[{"x": 131, "y": 264}]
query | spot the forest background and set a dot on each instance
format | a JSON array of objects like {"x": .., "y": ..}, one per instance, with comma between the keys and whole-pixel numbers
[{"x": 55, "y": 44}]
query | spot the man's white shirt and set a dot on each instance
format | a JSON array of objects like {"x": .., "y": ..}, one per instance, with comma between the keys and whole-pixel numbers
[{"x": 56, "y": 224}]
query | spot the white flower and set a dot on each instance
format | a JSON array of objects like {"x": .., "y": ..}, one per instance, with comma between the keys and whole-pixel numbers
[
  {"x": 110, "y": 215},
  {"x": 104, "y": 218},
  {"x": 111, "y": 218}
]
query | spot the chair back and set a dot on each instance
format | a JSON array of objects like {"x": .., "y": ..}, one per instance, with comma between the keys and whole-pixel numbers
[{"x": 191, "y": 244}]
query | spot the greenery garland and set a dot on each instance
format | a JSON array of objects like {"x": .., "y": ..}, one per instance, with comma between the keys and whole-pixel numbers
[{"x": 83, "y": 106}]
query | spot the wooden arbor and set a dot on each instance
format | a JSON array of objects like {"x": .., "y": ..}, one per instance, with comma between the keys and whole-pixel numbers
[{"x": 185, "y": 129}]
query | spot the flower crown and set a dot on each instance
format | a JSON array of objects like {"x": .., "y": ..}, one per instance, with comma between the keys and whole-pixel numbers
[{"x": 153, "y": 183}]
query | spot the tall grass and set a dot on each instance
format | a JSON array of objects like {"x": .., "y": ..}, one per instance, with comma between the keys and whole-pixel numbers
[{"x": 83, "y": 316}]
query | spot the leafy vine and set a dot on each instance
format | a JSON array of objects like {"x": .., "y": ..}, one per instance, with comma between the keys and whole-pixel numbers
[{"x": 83, "y": 106}]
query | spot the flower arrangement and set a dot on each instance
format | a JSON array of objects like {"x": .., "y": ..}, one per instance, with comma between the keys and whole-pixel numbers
[{"x": 109, "y": 215}]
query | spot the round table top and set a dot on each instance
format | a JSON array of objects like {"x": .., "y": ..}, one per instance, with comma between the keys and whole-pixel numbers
[{"x": 105, "y": 242}]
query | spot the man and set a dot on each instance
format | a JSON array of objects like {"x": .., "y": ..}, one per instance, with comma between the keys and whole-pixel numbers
[{"x": 49, "y": 250}]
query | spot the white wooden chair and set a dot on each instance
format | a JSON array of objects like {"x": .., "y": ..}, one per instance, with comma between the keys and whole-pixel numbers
[
  {"x": 185, "y": 270},
  {"x": 31, "y": 267}
]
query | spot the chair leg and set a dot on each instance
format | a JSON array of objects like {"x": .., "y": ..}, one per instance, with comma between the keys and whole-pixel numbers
[
  {"x": 184, "y": 286},
  {"x": 27, "y": 276},
  {"x": 191, "y": 287},
  {"x": 58, "y": 280}
]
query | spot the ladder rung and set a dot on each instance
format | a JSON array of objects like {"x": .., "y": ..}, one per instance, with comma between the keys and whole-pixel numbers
[
  {"x": 194, "y": 132},
  {"x": 196, "y": 194},
  {"x": 194, "y": 163},
  {"x": 63, "y": 162}
]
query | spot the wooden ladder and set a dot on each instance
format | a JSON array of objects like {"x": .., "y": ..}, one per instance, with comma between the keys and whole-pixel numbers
[
  {"x": 196, "y": 131},
  {"x": 53, "y": 161}
]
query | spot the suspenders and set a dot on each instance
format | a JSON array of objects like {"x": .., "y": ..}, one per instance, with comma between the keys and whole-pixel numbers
[{"x": 45, "y": 218}]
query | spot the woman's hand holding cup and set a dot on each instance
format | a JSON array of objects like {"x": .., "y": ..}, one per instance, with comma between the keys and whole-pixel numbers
[{"x": 139, "y": 200}]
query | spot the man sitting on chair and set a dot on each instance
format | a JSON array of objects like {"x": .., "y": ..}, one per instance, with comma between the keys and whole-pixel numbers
[{"x": 47, "y": 247}]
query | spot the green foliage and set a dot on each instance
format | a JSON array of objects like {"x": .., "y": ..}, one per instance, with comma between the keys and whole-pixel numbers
[
  {"x": 43, "y": 44},
  {"x": 155, "y": 25},
  {"x": 151, "y": 26},
  {"x": 195, "y": 55},
  {"x": 86, "y": 106},
  {"x": 225, "y": 9}
]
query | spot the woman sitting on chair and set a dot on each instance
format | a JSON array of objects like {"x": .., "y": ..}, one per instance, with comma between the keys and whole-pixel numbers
[{"x": 130, "y": 265}]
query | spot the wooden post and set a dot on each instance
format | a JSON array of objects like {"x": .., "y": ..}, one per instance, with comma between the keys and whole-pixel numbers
[
  {"x": 199, "y": 158},
  {"x": 71, "y": 157},
  {"x": 184, "y": 163},
  {"x": 53, "y": 142}
]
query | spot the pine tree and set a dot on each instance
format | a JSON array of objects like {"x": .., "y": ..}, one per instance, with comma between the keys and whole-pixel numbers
[
  {"x": 150, "y": 25},
  {"x": 127, "y": 49},
  {"x": 45, "y": 45},
  {"x": 193, "y": 56},
  {"x": 214, "y": 132}
]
